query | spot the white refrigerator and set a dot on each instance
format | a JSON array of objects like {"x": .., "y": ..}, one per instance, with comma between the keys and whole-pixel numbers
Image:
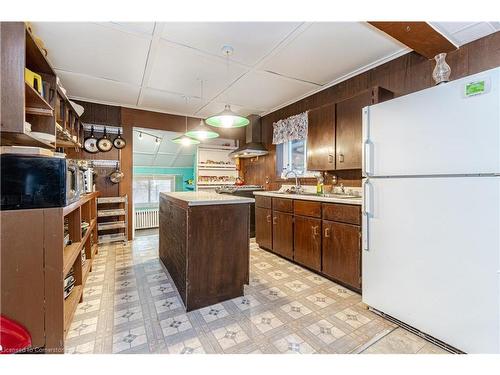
[{"x": 431, "y": 211}]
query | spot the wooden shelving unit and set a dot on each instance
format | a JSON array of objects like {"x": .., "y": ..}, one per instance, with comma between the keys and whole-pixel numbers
[
  {"x": 113, "y": 216},
  {"x": 82, "y": 241},
  {"x": 33, "y": 274},
  {"x": 214, "y": 167},
  {"x": 19, "y": 51}
]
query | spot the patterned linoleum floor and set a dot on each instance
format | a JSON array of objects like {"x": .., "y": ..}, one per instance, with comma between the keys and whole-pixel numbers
[{"x": 131, "y": 306}]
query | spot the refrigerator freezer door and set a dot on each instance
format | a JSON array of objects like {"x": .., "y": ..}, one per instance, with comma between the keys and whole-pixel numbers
[
  {"x": 432, "y": 258},
  {"x": 437, "y": 131}
]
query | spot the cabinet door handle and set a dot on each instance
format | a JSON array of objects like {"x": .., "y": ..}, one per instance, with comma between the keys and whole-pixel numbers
[
  {"x": 330, "y": 158},
  {"x": 341, "y": 158},
  {"x": 275, "y": 220},
  {"x": 327, "y": 232},
  {"x": 315, "y": 230},
  {"x": 268, "y": 218}
]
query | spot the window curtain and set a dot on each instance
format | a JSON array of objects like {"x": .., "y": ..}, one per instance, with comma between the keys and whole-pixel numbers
[{"x": 290, "y": 129}]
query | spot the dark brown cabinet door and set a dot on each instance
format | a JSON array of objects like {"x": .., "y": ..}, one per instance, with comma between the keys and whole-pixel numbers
[
  {"x": 321, "y": 138},
  {"x": 307, "y": 242},
  {"x": 263, "y": 227},
  {"x": 342, "y": 252},
  {"x": 283, "y": 234},
  {"x": 349, "y": 118},
  {"x": 349, "y": 126}
]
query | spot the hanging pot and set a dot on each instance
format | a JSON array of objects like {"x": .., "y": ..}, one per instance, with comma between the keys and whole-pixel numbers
[
  {"x": 104, "y": 144},
  {"x": 90, "y": 142},
  {"x": 117, "y": 176},
  {"x": 119, "y": 142}
]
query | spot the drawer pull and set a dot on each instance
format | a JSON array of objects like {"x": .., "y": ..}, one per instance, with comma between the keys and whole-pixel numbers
[
  {"x": 268, "y": 218},
  {"x": 327, "y": 232}
]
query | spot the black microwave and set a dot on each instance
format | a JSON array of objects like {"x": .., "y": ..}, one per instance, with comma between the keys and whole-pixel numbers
[{"x": 37, "y": 182}]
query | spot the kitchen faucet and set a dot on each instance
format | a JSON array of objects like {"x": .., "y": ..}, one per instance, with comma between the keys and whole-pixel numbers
[{"x": 298, "y": 188}]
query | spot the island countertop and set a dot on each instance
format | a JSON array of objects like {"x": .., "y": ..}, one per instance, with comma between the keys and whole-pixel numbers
[{"x": 204, "y": 198}]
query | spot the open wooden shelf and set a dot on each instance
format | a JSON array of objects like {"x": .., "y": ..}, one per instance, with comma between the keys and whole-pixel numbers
[
  {"x": 111, "y": 225},
  {"x": 106, "y": 238},
  {"x": 24, "y": 139},
  {"x": 70, "y": 305},
  {"x": 86, "y": 270},
  {"x": 35, "y": 103},
  {"x": 71, "y": 252},
  {"x": 111, "y": 212}
]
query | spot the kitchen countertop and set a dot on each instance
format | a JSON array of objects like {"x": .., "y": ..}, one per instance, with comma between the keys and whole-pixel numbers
[
  {"x": 203, "y": 198},
  {"x": 306, "y": 197}
]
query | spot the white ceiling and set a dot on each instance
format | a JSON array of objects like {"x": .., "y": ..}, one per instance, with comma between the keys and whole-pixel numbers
[
  {"x": 461, "y": 33},
  {"x": 164, "y": 154},
  {"x": 156, "y": 65}
]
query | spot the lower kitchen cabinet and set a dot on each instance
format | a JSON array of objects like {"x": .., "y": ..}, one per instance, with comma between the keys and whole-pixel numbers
[
  {"x": 283, "y": 234},
  {"x": 307, "y": 242},
  {"x": 342, "y": 252},
  {"x": 263, "y": 227}
]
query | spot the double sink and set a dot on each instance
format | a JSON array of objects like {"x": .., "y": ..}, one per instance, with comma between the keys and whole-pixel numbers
[{"x": 325, "y": 195}]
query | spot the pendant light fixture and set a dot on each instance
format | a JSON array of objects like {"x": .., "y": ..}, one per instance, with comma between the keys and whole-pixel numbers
[
  {"x": 184, "y": 139},
  {"x": 227, "y": 118},
  {"x": 202, "y": 131}
]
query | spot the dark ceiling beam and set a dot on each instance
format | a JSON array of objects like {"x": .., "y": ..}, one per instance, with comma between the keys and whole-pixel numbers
[{"x": 419, "y": 36}]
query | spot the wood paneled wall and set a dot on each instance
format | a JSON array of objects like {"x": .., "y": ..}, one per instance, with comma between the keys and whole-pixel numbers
[{"x": 404, "y": 75}]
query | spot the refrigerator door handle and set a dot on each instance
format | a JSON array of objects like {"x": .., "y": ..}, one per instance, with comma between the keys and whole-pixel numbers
[
  {"x": 367, "y": 145},
  {"x": 365, "y": 225}
]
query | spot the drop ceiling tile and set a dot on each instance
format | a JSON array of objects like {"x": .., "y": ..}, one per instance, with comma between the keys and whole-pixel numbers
[
  {"x": 448, "y": 28},
  {"x": 329, "y": 50},
  {"x": 168, "y": 102},
  {"x": 179, "y": 69},
  {"x": 265, "y": 90},
  {"x": 96, "y": 89},
  {"x": 251, "y": 40},
  {"x": 473, "y": 32},
  {"x": 215, "y": 107},
  {"x": 94, "y": 49},
  {"x": 143, "y": 160},
  {"x": 146, "y": 28}
]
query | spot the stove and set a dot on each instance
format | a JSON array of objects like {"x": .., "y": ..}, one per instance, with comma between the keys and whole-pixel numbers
[{"x": 243, "y": 191}]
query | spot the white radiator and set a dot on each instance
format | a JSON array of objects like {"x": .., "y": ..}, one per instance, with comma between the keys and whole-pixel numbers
[{"x": 146, "y": 218}]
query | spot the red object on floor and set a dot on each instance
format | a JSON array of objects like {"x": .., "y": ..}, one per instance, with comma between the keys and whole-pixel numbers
[{"x": 13, "y": 336}]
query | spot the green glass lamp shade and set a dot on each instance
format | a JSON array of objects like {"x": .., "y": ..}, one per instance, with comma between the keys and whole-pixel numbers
[
  {"x": 202, "y": 132},
  {"x": 227, "y": 119},
  {"x": 185, "y": 140}
]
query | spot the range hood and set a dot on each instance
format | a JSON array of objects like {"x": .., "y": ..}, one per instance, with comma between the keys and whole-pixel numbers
[{"x": 253, "y": 146}]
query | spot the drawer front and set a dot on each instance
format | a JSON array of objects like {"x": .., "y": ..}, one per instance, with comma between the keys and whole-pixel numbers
[
  {"x": 307, "y": 208},
  {"x": 263, "y": 202},
  {"x": 283, "y": 204},
  {"x": 344, "y": 213}
]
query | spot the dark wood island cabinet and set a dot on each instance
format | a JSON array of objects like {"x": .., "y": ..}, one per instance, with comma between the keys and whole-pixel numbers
[{"x": 204, "y": 244}]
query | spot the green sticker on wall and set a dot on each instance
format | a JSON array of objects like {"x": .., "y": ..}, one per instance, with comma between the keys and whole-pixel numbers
[{"x": 475, "y": 88}]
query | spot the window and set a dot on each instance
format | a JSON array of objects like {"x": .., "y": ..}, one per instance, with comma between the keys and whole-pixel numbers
[
  {"x": 147, "y": 189},
  {"x": 293, "y": 157}
]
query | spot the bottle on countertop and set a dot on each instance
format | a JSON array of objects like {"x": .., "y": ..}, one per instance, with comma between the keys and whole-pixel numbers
[{"x": 319, "y": 184}]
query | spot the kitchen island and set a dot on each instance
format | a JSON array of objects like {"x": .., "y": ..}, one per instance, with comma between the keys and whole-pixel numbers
[{"x": 204, "y": 244}]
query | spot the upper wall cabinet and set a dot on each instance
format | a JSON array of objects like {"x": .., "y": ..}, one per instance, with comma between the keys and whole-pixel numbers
[
  {"x": 101, "y": 114},
  {"x": 349, "y": 125},
  {"x": 321, "y": 138}
]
